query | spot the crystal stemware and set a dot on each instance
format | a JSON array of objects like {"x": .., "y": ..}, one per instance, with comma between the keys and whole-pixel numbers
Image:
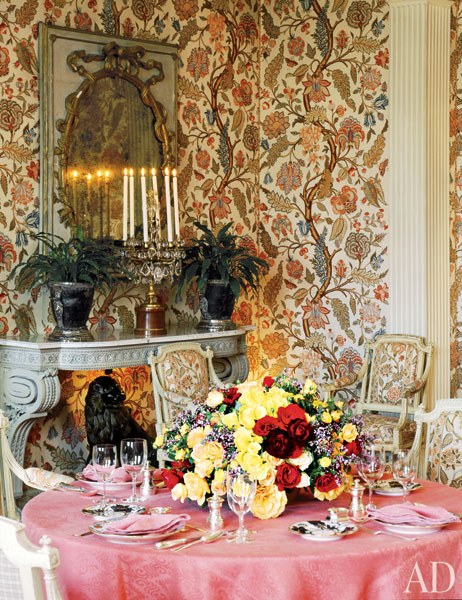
[
  {"x": 104, "y": 458},
  {"x": 371, "y": 467},
  {"x": 404, "y": 470},
  {"x": 240, "y": 493},
  {"x": 133, "y": 456}
]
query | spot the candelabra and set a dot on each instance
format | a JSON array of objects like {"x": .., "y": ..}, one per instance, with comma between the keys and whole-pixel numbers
[{"x": 152, "y": 260}]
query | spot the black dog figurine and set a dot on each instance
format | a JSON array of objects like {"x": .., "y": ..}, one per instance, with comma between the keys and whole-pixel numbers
[{"x": 107, "y": 420}]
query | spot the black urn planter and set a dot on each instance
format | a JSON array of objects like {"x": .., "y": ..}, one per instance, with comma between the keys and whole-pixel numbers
[
  {"x": 216, "y": 306},
  {"x": 71, "y": 305}
]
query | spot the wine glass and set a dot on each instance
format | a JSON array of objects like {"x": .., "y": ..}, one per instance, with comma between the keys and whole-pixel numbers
[
  {"x": 133, "y": 456},
  {"x": 404, "y": 470},
  {"x": 371, "y": 467},
  {"x": 104, "y": 458},
  {"x": 240, "y": 493}
]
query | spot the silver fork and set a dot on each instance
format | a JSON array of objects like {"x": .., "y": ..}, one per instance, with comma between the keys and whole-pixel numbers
[{"x": 381, "y": 532}]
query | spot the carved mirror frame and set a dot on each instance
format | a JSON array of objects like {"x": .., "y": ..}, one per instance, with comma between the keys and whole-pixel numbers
[{"x": 71, "y": 64}]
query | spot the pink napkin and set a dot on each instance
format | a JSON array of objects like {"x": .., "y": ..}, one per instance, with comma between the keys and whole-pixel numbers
[
  {"x": 120, "y": 475},
  {"x": 411, "y": 514},
  {"x": 138, "y": 524}
]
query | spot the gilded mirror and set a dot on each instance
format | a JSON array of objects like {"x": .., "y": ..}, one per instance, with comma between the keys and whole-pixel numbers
[{"x": 108, "y": 105}]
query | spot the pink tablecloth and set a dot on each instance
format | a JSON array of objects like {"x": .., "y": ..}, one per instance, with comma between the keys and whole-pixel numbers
[{"x": 277, "y": 565}]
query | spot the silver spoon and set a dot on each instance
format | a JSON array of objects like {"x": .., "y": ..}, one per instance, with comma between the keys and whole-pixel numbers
[{"x": 207, "y": 538}]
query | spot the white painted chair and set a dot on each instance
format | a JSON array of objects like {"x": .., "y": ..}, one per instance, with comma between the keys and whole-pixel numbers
[
  {"x": 441, "y": 443},
  {"x": 393, "y": 378},
  {"x": 24, "y": 565},
  {"x": 36, "y": 478},
  {"x": 181, "y": 372}
]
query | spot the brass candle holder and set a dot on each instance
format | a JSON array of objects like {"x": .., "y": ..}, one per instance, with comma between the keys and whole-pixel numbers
[{"x": 153, "y": 262}]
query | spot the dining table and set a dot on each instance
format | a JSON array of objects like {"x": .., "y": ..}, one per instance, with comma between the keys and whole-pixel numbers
[{"x": 278, "y": 564}]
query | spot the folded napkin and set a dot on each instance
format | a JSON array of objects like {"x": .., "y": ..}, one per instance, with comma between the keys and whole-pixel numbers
[
  {"x": 136, "y": 524},
  {"x": 407, "y": 513},
  {"x": 119, "y": 475}
]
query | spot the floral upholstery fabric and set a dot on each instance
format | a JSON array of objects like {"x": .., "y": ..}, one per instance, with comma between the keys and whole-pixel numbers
[
  {"x": 395, "y": 365},
  {"x": 186, "y": 374},
  {"x": 444, "y": 442},
  {"x": 384, "y": 426}
]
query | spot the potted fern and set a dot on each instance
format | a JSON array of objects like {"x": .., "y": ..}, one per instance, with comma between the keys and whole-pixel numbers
[
  {"x": 72, "y": 270},
  {"x": 223, "y": 267}
]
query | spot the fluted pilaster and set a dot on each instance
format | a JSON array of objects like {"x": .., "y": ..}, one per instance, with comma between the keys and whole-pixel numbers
[{"x": 419, "y": 178}]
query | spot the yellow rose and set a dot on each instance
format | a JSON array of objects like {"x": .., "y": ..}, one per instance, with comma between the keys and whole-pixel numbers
[
  {"x": 196, "y": 486},
  {"x": 195, "y": 436},
  {"x": 326, "y": 417},
  {"x": 184, "y": 429},
  {"x": 158, "y": 442},
  {"x": 230, "y": 420},
  {"x": 349, "y": 432},
  {"x": 203, "y": 468},
  {"x": 325, "y": 462},
  {"x": 214, "y": 399},
  {"x": 213, "y": 450},
  {"x": 269, "y": 502},
  {"x": 339, "y": 403},
  {"x": 310, "y": 387},
  {"x": 272, "y": 460},
  {"x": 336, "y": 414},
  {"x": 179, "y": 492},
  {"x": 242, "y": 438},
  {"x": 254, "y": 465},
  {"x": 199, "y": 453},
  {"x": 180, "y": 454},
  {"x": 247, "y": 416}
]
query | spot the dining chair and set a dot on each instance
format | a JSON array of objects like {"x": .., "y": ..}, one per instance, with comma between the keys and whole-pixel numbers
[
  {"x": 438, "y": 442},
  {"x": 393, "y": 378},
  {"x": 36, "y": 478},
  {"x": 181, "y": 372},
  {"x": 24, "y": 565}
]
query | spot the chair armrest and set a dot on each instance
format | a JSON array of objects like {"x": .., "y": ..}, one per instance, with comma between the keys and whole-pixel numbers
[
  {"x": 341, "y": 382},
  {"x": 412, "y": 388}
]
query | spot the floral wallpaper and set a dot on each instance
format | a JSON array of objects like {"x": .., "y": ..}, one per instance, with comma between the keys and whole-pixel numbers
[{"x": 283, "y": 118}]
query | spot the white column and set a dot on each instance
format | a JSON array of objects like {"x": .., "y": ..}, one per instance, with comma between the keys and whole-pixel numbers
[{"x": 419, "y": 179}]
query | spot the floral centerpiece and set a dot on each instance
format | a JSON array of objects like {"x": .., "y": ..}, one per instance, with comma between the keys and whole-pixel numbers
[{"x": 280, "y": 431}]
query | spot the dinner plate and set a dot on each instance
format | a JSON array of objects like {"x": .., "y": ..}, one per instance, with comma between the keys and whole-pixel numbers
[
  {"x": 322, "y": 531},
  {"x": 390, "y": 487},
  {"x": 411, "y": 529},
  {"x": 112, "y": 511},
  {"x": 111, "y": 486},
  {"x": 121, "y": 538}
]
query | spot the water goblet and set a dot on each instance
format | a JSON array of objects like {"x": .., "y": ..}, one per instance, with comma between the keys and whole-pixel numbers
[
  {"x": 404, "y": 470},
  {"x": 133, "y": 456},
  {"x": 240, "y": 494},
  {"x": 104, "y": 458},
  {"x": 371, "y": 467}
]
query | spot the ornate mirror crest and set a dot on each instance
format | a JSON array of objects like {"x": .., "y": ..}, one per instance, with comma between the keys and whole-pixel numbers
[{"x": 108, "y": 105}]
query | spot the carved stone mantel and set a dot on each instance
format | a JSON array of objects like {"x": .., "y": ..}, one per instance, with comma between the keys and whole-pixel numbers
[{"x": 29, "y": 383}]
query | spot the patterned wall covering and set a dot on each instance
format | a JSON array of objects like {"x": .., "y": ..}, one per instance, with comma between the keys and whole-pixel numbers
[{"x": 283, "y": 108}]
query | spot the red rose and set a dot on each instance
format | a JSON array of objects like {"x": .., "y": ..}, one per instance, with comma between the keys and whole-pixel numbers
[
  {"x": 171, "y": 477},
  {"x": 281, "y": 445},
  {"x": 286, "y": 414},
  {"x": 287, "y": 476},
  {"x": 326, "y": 483},
  {"x": 353, "y": 447},
  {"x": 268, "y": 382},
  {"x": 231, "y": 396},
  {"x": 299, "y": 429},
  {"x": 264, "y": 425}
]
